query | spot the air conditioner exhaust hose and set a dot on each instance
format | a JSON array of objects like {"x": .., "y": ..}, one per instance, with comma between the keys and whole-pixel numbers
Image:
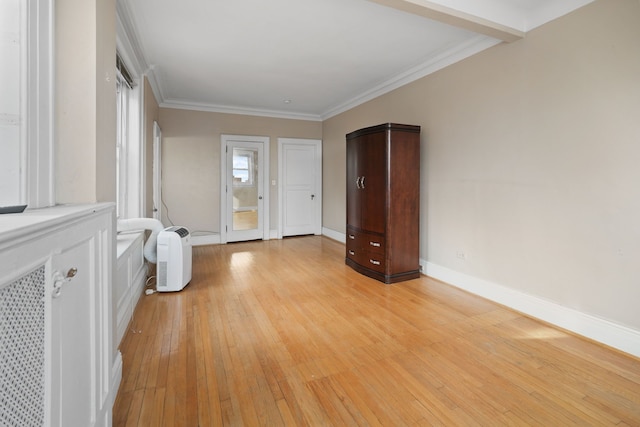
[{"x": 150, "y": 247}]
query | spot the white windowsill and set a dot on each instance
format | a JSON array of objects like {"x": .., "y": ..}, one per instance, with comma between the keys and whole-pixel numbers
[{"x": 124, "y": 241}]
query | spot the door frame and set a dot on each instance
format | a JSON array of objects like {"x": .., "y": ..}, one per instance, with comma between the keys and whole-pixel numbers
[
  {"x": 317, "y": 143},
  {"x": 225, "y": 140}
]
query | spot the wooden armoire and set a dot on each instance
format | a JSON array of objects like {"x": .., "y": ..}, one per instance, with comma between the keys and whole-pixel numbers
[{"x": 383, "y": 202}]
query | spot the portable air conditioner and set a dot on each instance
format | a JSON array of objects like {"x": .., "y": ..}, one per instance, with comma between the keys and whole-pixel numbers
[{"x": 174, "y": 259}]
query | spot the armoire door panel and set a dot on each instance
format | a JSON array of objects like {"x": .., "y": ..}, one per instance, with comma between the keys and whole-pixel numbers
[
  {"x": 353, "y": 185},
  {"x": 373, "y": 183}
]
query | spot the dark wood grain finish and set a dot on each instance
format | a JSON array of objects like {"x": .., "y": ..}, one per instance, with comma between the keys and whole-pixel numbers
[{"x": 383, "y": 199}]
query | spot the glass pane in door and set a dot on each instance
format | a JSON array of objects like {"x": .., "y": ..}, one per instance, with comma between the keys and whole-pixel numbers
[{"x": 245, "y": 189}]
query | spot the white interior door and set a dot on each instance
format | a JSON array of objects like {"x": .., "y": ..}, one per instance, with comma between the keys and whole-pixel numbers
[
  {"x": 246, "y": 202},
  {"x": 300, "y": 176},
  {"x": 157, "y": 172}
]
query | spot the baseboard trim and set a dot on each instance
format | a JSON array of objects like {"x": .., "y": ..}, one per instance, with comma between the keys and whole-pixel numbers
[
  {"x": 332, "y": 234},
  {"x": 207, "y": 239},
  {"x": 214, "y": 239},
  {"x": 116, "y": 375},
  {"x": 116, "y": 379},
  {"x": 603, "y": 331}
]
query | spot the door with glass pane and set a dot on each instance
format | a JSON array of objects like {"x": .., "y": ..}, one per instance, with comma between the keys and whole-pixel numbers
[{"x": 245, "y": 187}]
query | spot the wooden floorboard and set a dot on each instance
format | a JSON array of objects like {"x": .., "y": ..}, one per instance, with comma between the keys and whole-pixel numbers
[{"x": 281, "y": 332}]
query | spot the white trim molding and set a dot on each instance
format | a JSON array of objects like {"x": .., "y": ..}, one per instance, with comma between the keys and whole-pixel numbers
[
  {"x": 127, "y": 40},
  {"x": 229, "y": 109},
  {"x": 445, "y": 58},
  {"x": 601, "y": 330},
  {"x": 205, "y": 239},
  {"x": 335, "y": 235},
  {"x": 116, "y": 380}
]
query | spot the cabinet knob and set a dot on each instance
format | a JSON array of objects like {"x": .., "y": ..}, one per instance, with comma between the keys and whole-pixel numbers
[
  {"x": 59, "y": 279},
  {"x": 374, "y": 262},
  {"x": 375, "y": 244}
]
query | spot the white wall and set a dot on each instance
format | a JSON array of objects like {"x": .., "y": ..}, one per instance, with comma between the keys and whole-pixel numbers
[
  {"x": 85, "y": 107},
  {"x": 191, "y": 161}
]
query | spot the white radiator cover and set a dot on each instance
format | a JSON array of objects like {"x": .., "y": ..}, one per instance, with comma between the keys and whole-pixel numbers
[
  {"x": 58, "y": 364},
  {"x": 22, "y": 353}
]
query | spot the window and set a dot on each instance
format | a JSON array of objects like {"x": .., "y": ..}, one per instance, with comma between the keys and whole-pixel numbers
[
  {"x": 26, "y": 70},
  {"x": 128, "y": 144},
  {"x": 243, "y": 167},
  {"x": 122, "y": 110},
  {"x": 10, "y": 114}
]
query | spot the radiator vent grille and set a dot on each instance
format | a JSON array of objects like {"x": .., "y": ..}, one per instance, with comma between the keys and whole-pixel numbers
[
  {"x": 162, "y": 274},
  {"x": 22, "y": 351}
]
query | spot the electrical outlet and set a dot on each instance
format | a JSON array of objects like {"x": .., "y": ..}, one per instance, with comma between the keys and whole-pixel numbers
[{"x": 461, "y": 255}]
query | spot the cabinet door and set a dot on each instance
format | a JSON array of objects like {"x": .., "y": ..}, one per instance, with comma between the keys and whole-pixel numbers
[
  {"x": 373, "y": 191},
  {"x": 353, "y": 183},
  {"x": 73, "y": 338}
]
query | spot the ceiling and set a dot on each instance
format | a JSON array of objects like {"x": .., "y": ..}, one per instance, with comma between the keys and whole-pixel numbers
[{"x": 309, "y": 59}]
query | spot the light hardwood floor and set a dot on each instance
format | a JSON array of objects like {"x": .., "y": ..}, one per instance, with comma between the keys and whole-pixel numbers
[{"x": 283, "y": 333}]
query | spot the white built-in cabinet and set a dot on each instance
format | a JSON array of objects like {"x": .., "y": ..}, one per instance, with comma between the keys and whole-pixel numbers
[{"x": 58, "y": 363}]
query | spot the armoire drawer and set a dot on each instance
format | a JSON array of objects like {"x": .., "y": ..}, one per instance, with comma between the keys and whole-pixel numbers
[
  {"x": 373, "y": 260},
  {"x": 373, "y": 243},
  {"x": 366, "y": 249},
  {"x": 367, "y": 241}
]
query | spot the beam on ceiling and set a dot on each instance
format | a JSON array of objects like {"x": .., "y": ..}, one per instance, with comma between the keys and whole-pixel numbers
[{"x": 456, "y": 18}]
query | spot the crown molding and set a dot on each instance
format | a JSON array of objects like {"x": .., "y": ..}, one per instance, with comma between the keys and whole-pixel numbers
[
  {"x": 154, "y": 82},
  {"x": 126, "y": 51},
  {"x": 196, "y": 106},
  {"x": 440, "y": 61},
  {"x": 128, "y": 44},
  {"x": 127, "y": 39}
]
